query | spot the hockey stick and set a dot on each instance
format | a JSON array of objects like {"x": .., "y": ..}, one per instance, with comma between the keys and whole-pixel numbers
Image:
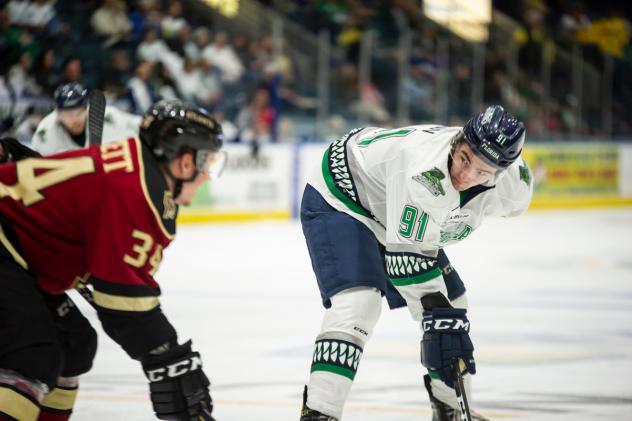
[
  {"x": 96, "y": 115},
  {"x": 459, "y": 388}
]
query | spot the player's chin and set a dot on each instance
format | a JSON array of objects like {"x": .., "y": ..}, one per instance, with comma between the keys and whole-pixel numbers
[{"x": 184, "y": 201}]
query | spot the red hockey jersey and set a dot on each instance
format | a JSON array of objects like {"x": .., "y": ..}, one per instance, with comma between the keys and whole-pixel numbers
[{"x": 101, "y": 215}]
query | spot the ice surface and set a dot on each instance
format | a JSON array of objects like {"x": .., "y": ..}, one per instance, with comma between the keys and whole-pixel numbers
[{"x": 550, "y": 298}]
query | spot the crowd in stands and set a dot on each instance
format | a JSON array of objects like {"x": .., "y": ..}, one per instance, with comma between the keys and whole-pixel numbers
[
  {"x": 139, "y": 51},
  {"x": 550, "y": 28}
]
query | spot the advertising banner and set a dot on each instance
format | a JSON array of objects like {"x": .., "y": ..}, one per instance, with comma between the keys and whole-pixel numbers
[{"x": 252, "y": 186}]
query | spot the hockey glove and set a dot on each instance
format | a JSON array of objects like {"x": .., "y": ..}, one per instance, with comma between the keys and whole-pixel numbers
[
  {"x": 178, "y": 386},
  {"x": 446, "y": 338},
  {"x": 13, "y": 150}
]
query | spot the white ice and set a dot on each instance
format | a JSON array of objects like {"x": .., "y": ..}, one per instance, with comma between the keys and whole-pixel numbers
[{"x": 550, "y": 305}]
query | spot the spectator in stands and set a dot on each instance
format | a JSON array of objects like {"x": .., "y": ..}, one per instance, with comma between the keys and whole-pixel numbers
[
  {"x": 143, "y": 15},
  {"x": 164, "y": 83},
  {"x": 21, "y": 79},
  {"x": 71, "y": 71},
  {"x": 221, "y": 55},
  {"x": 13, "y": 41},
  {"x": 116, "y": 74},
  {"x": 178, "y": 43},
  {"x": 152, "y": 47},
  {"x": 111, "y": 22},
  {"x": 198, "y": 84},
  {"x": 17, "y": 12},
  {"x": 141, "y": 92},
  {"x": 40, "y": 14},
  {"x": 201, "y": 39},
  {"x": 574, "y": 20},
  {"x": 255, "y": 120},
  {"x": 43, "y": 71},
  {"x": 173, "y": 22}
]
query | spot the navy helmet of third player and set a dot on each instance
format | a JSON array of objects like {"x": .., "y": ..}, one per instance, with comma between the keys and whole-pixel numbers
[{"x": 71, "y": 102}]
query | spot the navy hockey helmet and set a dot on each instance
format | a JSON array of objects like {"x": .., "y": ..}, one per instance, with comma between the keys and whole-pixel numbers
[
  {"x": 70, "y": 95},
  {"x": 495, "y": 136},
  {"x": 172, "y": 127}
]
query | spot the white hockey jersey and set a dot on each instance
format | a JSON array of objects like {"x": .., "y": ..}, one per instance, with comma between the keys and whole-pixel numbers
[
  {"x": 51, "y": 137},
  {"x": 397, "y": 182}
]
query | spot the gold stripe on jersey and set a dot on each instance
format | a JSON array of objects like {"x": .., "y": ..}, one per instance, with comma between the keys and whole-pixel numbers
[
  {"x": 59, "y": 398},
  {"x": 16, "y": 405},
  {"x": 14, "y": 253},
  {"x": 118, "y": 156},
  {"x": 143, "y": 183},
  {"x": 123, "y": 303}
]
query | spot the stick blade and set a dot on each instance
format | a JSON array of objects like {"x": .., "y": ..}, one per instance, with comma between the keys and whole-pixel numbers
[{"x": 96, "y": 115}]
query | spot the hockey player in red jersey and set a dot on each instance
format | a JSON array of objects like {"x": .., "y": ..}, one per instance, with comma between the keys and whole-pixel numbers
[{"x": 99, "y": 216}]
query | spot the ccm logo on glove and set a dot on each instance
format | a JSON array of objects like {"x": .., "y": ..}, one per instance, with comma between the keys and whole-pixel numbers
[
  {"x": 175, "y": 369},
  {"x": 445, "y": 324}
]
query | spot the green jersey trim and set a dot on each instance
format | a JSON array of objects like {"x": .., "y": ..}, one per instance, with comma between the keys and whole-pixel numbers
[
  {"x": 420, "y": 279},
  {"x": 331, "y": 185}
]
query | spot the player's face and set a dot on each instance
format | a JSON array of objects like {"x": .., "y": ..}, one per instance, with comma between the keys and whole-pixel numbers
[
  {"x": 208, "y": 172},
  {"x": 467, "y": 169},
  {"x": 73, "y": 119}
]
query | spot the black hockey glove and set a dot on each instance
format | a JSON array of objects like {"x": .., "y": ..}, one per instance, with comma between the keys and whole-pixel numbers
[
  {"x": 446, "y": 337},
  {"x": 178, "y": 386},
  {"x": 13, "y": 150}
]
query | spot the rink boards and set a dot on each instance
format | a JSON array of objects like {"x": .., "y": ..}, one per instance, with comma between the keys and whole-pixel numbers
[{"x": 270, "y": 184}]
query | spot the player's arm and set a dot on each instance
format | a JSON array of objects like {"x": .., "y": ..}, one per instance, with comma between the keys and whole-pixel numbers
[
  {"x": 515, "y": 189},
  {"x": 12, "y": 150},
  {"x": 131, "y": 315},
  {"x": 125, "y": 251}
]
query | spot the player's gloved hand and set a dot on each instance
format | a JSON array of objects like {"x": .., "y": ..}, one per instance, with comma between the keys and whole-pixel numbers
[
  {"x": 178, "y": 386},
  {"x": 446, "y": 337},
  {"x": 13, "y": 150}
]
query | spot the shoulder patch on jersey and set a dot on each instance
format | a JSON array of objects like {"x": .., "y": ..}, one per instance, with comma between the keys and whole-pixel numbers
[
  {"x": 525, "y": 175},
  {"x": 41, "y": 133},
  {"x": 431, "y": 180},
  {"x": 170, "y": 207}
]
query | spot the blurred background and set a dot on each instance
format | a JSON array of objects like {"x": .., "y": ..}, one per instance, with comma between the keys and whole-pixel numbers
[{"x": 284, "y": 76}]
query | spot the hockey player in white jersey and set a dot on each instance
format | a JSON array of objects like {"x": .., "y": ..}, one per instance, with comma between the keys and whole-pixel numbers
[
  {"x": 66, "y": 126},
  {"x": 376, "y": 215}
]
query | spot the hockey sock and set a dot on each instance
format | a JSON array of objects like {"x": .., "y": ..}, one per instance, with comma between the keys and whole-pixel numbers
[
  {"x": 58, "y": 404},
  {"x": 19, "y": 396},
  {"x": 334, "y": 366}
]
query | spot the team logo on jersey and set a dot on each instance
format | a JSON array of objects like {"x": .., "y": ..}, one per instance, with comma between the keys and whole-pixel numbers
[
  {"x": 169, "y": 205},
  {"x": 460, "y": 234},
  {"x": 525, "y": 175},
  {"x": 431, "y": 180}
]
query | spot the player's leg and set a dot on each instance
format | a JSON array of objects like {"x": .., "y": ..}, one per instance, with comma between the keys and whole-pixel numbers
[
  {"x": 79, "y": 343},
  {"x": 348, "y": 264},
  {"x": 347, "y": 326},
  {"x": 30, "y": 353},
  {"x": 442, "y": 397}
]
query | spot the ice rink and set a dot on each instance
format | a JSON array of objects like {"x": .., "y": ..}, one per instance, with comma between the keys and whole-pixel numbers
[{"x": 550, "y": 306}]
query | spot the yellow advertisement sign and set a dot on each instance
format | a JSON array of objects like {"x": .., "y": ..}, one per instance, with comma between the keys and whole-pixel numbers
[{"x": 573, "y": 169}]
